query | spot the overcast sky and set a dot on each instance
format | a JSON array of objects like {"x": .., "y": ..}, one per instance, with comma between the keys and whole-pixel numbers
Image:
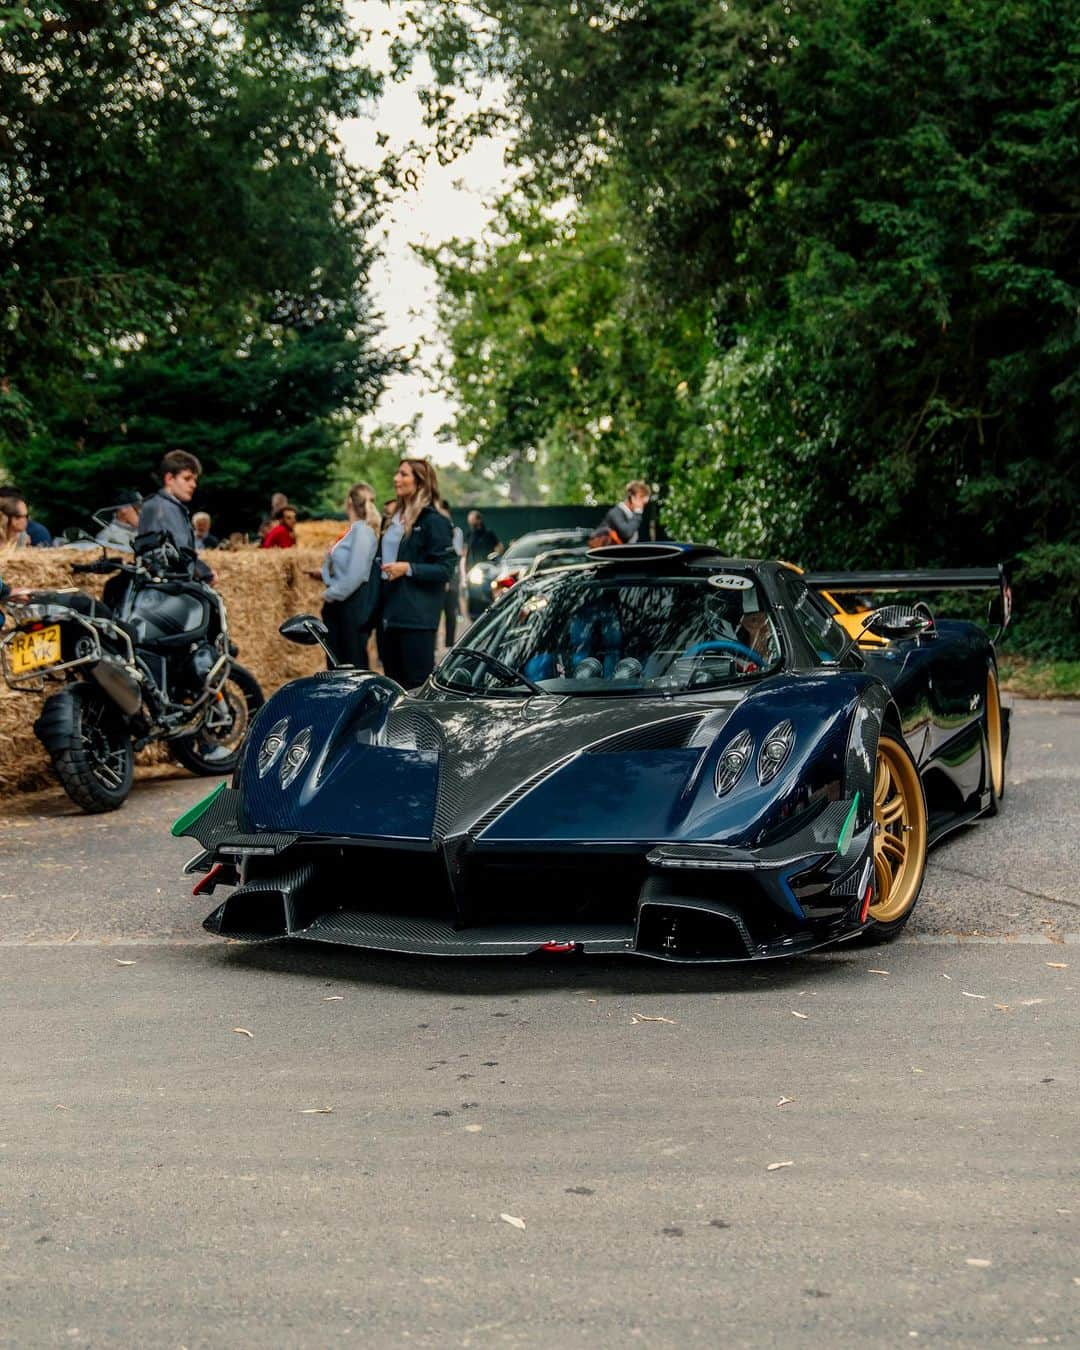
[{"x": 450, "y": 201}]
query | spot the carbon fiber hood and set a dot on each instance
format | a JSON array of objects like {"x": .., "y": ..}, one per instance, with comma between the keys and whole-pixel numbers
[{"x": 428, "y": 767}]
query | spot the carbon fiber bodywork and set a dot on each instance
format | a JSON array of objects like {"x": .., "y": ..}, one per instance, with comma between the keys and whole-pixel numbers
[{"x": 448, "y": 823}]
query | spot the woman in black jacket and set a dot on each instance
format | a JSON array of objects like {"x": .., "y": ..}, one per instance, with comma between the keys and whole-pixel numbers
[{"x": 418, "y": 559}]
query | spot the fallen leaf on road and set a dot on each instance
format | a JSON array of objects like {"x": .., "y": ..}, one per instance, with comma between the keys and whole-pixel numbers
[
  {"x": 979, "y": 1261},
  {"x": 58, "y": 1107},
  {"x": 473, "y": 1129},
  {"x": 72, "y": 936},
  {"x": 243, "y": 1031},
  {"x": 775, "y": 1167},
  {"x": 915, "y": 1070},
  {"x": 512, "y": 1220},
  {"x": 124, "y": 963},
  {"x": 317, "y": 1111},
  {"x": 871, "y": 971},
  {"x": 1058, "y": 965},
  {"x": 640, "y": 1017},
  {"x": 334, "y": 998},
  {"x": 1029, "y": 1002},
  {"x": 804, "y": 1016},
  {"x": 784, "y": 1101},
  {"x": 1002, "y": 1007},
  {"x": 965, "y": 993},
  {"x": 945, "y": 977}
]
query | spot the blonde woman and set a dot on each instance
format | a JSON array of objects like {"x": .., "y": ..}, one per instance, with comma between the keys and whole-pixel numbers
[
  {"x": 351, "y": 595},
  {"x": 418, "y": 559}
]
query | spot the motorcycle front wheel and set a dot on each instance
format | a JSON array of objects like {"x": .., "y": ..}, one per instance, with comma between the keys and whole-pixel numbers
[
  {"x": 96, "y": 765},
  {"x": 215, "y": 747}
]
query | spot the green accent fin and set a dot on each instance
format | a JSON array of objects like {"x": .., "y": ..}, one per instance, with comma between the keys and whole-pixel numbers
[
  {"x": 181, "y": 823},
  {"x": 843, "y": 839}
]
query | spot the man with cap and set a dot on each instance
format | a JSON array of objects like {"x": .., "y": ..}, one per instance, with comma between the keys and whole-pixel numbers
[{"x": 124, "y": 526}]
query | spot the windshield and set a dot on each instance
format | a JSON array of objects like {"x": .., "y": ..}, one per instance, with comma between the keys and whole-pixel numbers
[{"x": 576, "y": 633}]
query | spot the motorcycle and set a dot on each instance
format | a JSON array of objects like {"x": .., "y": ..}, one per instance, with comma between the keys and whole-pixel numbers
[{"x": 151, "y": 662}]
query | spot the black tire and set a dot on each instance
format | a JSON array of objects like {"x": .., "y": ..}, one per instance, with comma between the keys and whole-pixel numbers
[
  {"x": 212, "y": 751},
  {"x": 97, "y": 764},
  {"x": 901, "y": 837}
]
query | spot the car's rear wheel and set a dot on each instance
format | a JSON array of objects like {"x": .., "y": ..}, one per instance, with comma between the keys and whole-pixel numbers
[
  {"x": 995, "y": 741},
  {"x": 900, "y": 838}
]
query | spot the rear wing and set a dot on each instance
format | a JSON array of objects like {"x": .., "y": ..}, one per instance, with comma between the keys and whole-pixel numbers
[{"x": 925, "y": 581}]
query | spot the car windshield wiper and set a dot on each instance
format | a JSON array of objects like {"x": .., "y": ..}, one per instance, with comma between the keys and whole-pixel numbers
[{"x": 499, "y": 667}]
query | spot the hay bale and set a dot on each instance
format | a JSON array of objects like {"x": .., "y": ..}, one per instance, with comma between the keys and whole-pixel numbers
[
  {"x": 319, "y": 533},
  {"x": 261, "y": 588}
]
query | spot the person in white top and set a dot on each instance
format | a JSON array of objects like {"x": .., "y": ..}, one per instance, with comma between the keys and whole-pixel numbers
[{"x": 350, "y": 598}]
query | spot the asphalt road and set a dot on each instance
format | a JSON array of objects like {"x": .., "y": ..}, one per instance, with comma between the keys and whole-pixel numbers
[{"x": 346, "y": 1171}]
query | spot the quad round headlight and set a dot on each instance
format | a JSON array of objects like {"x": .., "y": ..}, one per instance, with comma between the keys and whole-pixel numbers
[
  {"x": 774, "y": 751},
  {"x": 272, "y": 746},
  {"x": 732, "y": 762},
  {"x": 296, "y": 757}
]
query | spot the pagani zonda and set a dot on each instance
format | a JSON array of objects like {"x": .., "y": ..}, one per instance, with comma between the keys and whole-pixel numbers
[{"x": 662, "y": 752}]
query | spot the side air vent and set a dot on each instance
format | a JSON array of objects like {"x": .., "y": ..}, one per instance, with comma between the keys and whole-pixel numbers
[
  {"x": 669, "y": 734},
  {"x": 409, "y": 729}
]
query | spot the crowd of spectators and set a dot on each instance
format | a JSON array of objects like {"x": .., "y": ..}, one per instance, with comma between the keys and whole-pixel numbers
[{"x": 394, "y": 574}]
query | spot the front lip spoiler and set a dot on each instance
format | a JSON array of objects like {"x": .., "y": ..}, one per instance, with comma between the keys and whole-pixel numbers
[{"x": 409, "y": 936}]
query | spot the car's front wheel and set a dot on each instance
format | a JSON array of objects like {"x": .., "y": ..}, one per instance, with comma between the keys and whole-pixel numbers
[{"x": 900, "y": 838}]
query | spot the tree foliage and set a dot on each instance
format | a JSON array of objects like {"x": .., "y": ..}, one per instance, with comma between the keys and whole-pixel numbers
[
  {"x": 871, "y": 210},
  {"x": 183, "y": 247},
  {"x": 565, "y": 385}
]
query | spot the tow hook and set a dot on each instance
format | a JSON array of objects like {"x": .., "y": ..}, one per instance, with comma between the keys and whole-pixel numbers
[{"x": 206, "y": 884}]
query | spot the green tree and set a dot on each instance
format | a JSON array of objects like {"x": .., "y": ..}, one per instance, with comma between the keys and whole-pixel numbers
[
  {"x": 565, "y": 383},
  {"x": 183, "y": 247},
  {"x": 877, "y": 204}
]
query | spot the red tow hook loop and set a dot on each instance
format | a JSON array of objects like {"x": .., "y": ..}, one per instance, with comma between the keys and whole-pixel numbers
[
  {"x": 559, "y": 947},
  {"x": 207, "y": 882},
  {"x": 864, "y": 908}
]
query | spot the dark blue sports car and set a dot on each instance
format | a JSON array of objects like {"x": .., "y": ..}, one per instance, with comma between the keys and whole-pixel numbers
[{"x": 662, "y": 752}]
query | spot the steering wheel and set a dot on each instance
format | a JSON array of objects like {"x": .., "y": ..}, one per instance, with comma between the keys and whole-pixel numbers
[{"x": 750, "y": 658}]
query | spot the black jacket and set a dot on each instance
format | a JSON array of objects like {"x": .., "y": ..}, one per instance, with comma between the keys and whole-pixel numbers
[
  {"x": 624, "y": 522},
  {"x": 163, "y": 511},
  {"x": 416, "y": 601}
]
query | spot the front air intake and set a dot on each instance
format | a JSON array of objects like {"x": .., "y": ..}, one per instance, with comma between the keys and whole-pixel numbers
[
  {"x": 692, "y": 930},
  {"x": 269, "y": 907}
]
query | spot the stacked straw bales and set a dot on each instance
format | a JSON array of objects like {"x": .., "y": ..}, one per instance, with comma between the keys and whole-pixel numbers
[
  {"x": 319, "y": 533},
  {"x": 261, "y": 588}
]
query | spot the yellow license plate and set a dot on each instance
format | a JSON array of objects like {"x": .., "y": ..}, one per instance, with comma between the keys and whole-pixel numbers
[{"x": 31, "y": 651}]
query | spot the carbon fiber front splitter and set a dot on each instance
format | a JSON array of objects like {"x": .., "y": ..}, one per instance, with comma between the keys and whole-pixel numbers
[{"x": 415, "y": 936}]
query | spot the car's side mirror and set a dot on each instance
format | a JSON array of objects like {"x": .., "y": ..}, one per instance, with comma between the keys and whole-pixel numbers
[
  {"x": 999, "y": 609},
  {"x": 305, "y": 629},
  {"x": 899, "y": 621},
  {"x": 308, "y": 631}
]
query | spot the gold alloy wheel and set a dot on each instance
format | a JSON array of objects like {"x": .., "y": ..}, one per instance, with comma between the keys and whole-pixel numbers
[
  {"x": 994, "y": 742},
  {"x": 899, "y": 833}
]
